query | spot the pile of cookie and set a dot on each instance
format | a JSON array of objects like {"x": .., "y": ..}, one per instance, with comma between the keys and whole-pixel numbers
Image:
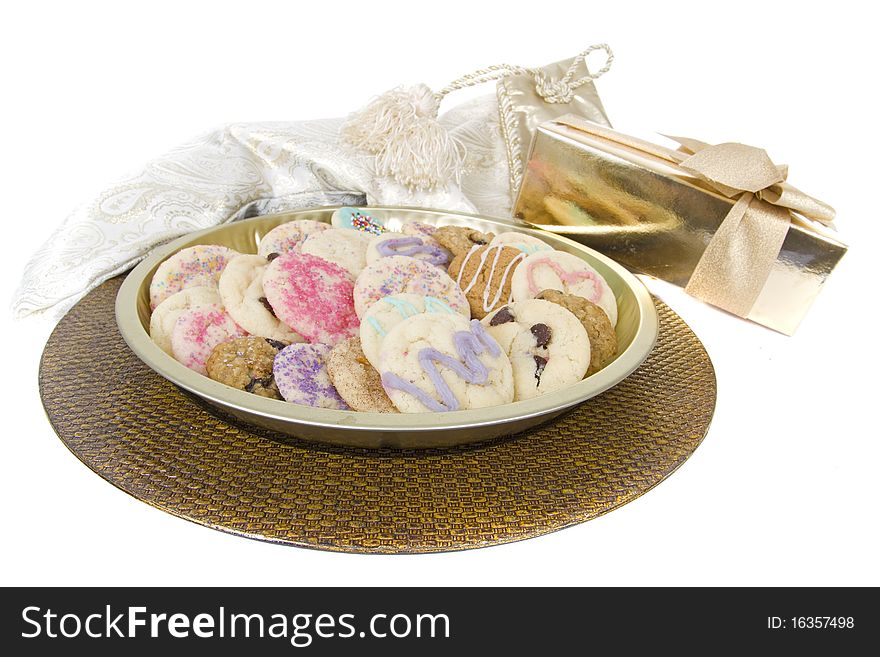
[{"x": 352, "y": 316}]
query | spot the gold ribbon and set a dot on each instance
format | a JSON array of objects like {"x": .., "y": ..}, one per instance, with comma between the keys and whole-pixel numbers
[{"x": 738, "y": 259}]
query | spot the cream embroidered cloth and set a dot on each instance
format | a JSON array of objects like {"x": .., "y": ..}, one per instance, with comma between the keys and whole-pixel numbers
[{"x": 245, "y": 170}]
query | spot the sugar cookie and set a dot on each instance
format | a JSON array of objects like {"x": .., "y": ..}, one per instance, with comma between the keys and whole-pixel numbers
[
  {"x": 241, "y": 291},
  {"x": 547, "y": 345},
  {"x": 390, "y": 311},
  {"x": 166, "y": 313},
  {"x": 359, "y": 219},
  {"x": 196, "y": 333},
  {"x": 312, "y": 296},
  {"x": 196, "y": 266},
  {"x": 396, "y": 274},
  {"x": 287, "y": 237},
  {"x": 567, "y": 273},
  {"x": 300, "y": 372},
  {"x": 346, "y": 248},
  {"x": 418, "y": 228},
  {"x": 415, "y": 246},
  {"x": 444, "y": 363}
]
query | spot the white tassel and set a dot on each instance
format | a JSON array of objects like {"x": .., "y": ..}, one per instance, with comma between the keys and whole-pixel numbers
[{"x": 401, "y": 129}]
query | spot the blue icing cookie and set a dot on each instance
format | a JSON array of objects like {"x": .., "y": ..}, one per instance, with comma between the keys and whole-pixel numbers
[
  {"x": 390, "y": 311},
  {"x": 358, "y": 219}
]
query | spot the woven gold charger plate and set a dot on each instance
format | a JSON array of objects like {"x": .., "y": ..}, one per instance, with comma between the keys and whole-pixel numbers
[{"x": 167, "y": 448}]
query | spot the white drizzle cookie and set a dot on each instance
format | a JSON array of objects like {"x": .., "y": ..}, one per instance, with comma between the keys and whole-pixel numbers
[
  {"x": 525, "y": 243},
  {"x": 485, "y": 274}
]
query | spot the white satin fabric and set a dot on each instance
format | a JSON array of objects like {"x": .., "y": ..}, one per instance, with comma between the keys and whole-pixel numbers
[{"x": 245, "y": 170}]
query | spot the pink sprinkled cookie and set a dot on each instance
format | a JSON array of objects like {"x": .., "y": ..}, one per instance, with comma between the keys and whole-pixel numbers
[
  {"x": 198, "y": 331},
  {"x": 197, "y": 266},
  {"x": 312, "y": 296},
  {"x": 287, "y": 237},
  {"x": 396, "y": 274},
  {"x": 165, "y": 315},
  {"x": 301, "y": 376},
  {"x": 241, "y": 293}
]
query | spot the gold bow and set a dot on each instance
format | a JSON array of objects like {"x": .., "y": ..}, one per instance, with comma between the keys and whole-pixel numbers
[{"x": 737, "y": 261}]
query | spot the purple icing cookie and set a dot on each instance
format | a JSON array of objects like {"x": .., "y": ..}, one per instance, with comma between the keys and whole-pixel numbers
[
  {"x": 420, "y": 247},
  {"x": 417, "y": 228},
  {"x": 301, "y": 376}
]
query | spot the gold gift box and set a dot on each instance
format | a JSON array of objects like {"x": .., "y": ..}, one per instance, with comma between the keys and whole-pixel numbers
[{"x": 639, "y": 207}]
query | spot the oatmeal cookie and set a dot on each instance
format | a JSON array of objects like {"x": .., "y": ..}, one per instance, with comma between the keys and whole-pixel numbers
[
  {"x": 246, "y": 364},
  {"x": 458, "y": 240},
  {"x": 603, "y": 339}
]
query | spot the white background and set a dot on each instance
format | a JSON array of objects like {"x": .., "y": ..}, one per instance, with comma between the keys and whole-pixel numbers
[{"x": 782, "y": 491}]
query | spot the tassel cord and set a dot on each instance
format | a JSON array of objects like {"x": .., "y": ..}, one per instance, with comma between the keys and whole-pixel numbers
[{"x": 400, "y": 127}]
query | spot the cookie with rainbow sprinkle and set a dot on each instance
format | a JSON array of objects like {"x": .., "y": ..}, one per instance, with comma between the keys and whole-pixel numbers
[
  {"x": 289, "y": 237},
  {"x": 396, "y": 274},
  {"x": 358, "y": 219},
  {"x": 346, "y": 248},
  {"x": 196, "y": 266}
]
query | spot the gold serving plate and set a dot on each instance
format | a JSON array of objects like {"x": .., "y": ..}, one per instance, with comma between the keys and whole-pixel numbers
[{"x": 636, "y": 333}]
